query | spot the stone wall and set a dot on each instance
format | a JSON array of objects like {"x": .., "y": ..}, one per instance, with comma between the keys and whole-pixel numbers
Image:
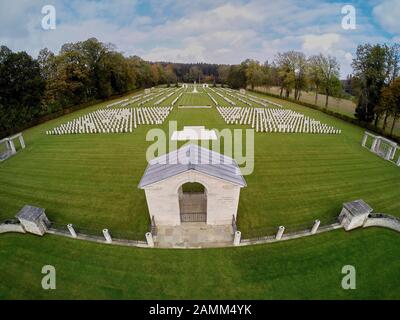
[
  {"x": 118, "y": 242},
  {"x": 289, "y": 236},
  {"x": 4, "y": 228},
  {"x": 383, "y": 220}
]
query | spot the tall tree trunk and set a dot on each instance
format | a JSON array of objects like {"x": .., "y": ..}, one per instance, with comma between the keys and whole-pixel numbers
[
  {"x": 326, "y": 99},
  {"x": 393, "y": 124},
  {"x": 316, "y": 95},
  {"x": 376, "y": 120},
  {"x": 281, "y": 92},
  {"x": 385, "y": 121}
]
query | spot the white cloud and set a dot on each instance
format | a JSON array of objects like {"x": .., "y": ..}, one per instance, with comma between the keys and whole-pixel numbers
[
  {"x": 218, "y": 31},
  {"x": 387, "y": 14},
  {"x": 348, "y": 56},
  {"x": 320, "y": 43},
  {"x": 191, "y": 53}
]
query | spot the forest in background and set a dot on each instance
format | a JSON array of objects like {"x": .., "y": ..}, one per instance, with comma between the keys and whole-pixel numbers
[{"x": 87, "y": 71}]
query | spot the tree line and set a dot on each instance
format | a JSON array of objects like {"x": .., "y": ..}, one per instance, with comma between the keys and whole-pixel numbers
[
  {"x": 90, "y": 70},
  {"x": 80, "y": 73}
]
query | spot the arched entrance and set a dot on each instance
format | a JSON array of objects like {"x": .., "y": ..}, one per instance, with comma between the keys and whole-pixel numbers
[{"x": 193, "y": 202}]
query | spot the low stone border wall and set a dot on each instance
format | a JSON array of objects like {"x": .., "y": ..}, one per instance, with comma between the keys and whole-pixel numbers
[
  {"x": 12, "y": 227},
  {"x": 289, "y": 236},
  {"x": 355, "y": 214},
  {"x": 383, "y": 220},
  {"x": 120, "y": 242}
]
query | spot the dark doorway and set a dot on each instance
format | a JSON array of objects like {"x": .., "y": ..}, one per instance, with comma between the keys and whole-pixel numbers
[{"x": 193, "y": 202}]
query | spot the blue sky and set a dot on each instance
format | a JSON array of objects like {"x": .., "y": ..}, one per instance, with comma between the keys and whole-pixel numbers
[{"x": 216, "y": 31}]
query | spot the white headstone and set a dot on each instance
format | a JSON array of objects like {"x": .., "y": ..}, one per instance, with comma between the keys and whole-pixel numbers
[{"x": 280, "y": 232}]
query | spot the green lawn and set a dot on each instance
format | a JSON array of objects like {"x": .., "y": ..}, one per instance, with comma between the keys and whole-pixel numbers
[
  {"x": 91, "y": 180},
  {"x": 309, "y": 268},
  {"x": 194, "y": 99}
]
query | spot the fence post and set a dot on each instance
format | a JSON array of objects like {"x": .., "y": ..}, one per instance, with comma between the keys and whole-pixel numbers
[
  {"x": 12, "y": 147},
  {"x": 315, "y": 226},
  {"x": 364, "y": 141},
  {"x": 107, "y": 236},
  {"x": 149, "y": 239},
  {"x": 21, "y": 141},
  {"x": 374, "y": 145},
  {"x": 280, "y": 232},
  {"x": 236, "y": 240},
  {"x": 71, "y": 230}
]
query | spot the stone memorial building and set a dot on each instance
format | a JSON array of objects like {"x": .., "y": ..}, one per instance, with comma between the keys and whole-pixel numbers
[{"x": 192, "y": 184}]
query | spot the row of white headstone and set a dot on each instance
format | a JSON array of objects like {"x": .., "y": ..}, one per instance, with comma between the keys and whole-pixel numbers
[
  {"x": 274, "y": 120},
  {"x": 152, "y": 97},
  {"x": 224, "y": 97},
  {"x": 117, "y": 103},
  {"x": 166, "y": 96},
  {"x": 212, "y": 98},
  {"x": 176, "y": 99},
  {"x": 138, "y": 98},
  {"x": 265, "y": 100},
  {"x": 113, "y": 120},
  {"x": 246, "y": 99},
  {"x": 239, "y": 98},
  {"x": 126, "y": 102},
  {"x": 236, "y": 95},
  {"x": 262, "y": 101},
  {"x": 134, "y": 99}
]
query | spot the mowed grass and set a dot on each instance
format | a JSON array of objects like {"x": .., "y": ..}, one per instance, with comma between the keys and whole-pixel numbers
[
  {"x": 309, "y": 268},
  {"x": 91, "y": 180},
  {"x": 194, "y": 99}
]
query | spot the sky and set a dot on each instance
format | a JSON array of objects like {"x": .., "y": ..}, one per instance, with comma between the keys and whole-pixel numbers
[{"x": 213, "y": 31}]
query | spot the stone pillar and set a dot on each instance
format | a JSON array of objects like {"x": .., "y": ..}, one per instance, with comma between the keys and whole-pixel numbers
[
  {"x": 107, "y": 236},
  {"x": 149, "y": 239},
  {"x": 315, "y": 226},
  {"x": 378, "y": 145},
  {"x": 12, "y": 146},
  {"x": 364, "y": 141},
  {"x": 388, "y": 153},
  {"x": 236, "y": 240},
  {"x": 22, "y": 142},
  {"x": 373, "y": 146},
  {"x": 393, "y": 153},
  {"x": 398, "y": 161},
  {"x": 280, "y": 232},
  {"x": 71, "y": 230}
]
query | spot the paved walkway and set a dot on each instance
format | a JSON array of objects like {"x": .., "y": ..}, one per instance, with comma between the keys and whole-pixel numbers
[{"x": 194, "y": 235}]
